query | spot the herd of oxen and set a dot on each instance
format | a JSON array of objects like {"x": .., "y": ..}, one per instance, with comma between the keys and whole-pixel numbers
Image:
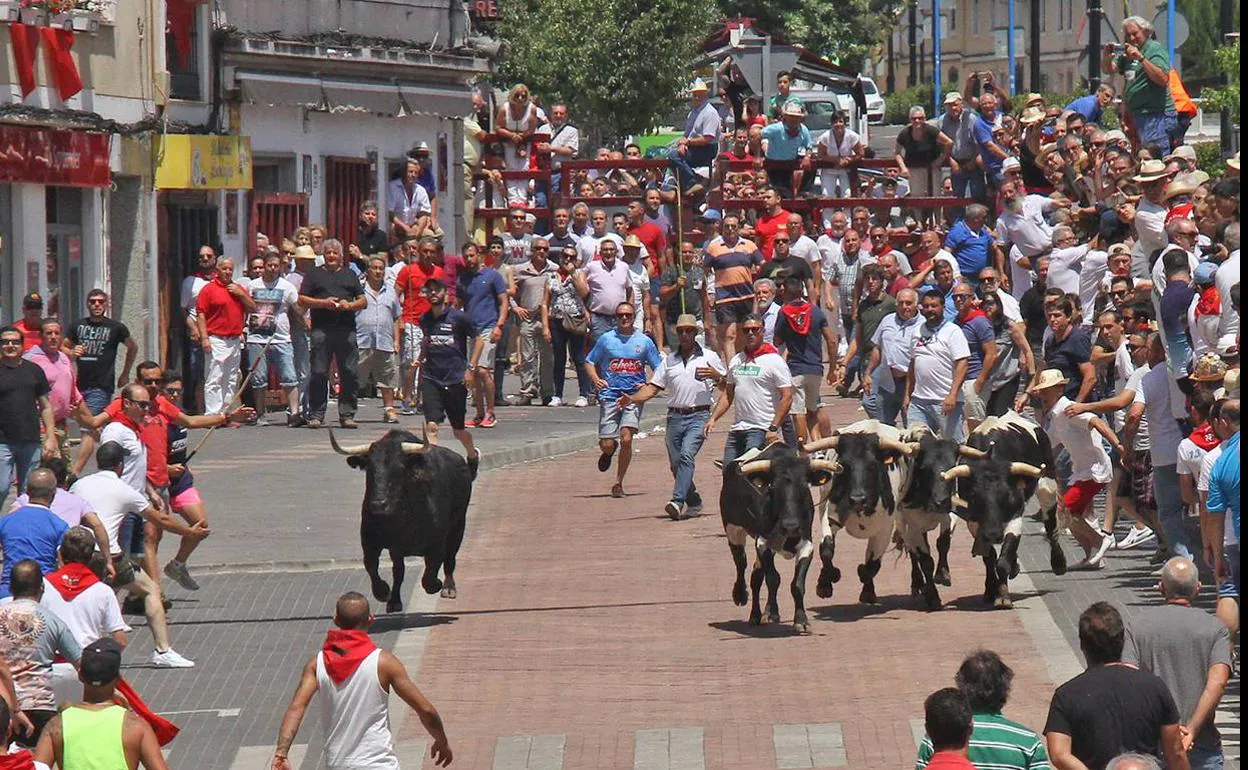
[{"x": 888, "y": 486}]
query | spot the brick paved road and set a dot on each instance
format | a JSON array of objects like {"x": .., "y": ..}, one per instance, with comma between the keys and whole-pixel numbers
[{"x": 595, "y": 633}]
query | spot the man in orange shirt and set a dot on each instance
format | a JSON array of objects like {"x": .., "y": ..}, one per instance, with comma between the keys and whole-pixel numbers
[
  {"x": 31, "y": 325},
  {"x": 410, "y": 285},
  {"x": 220, "y": 308}
]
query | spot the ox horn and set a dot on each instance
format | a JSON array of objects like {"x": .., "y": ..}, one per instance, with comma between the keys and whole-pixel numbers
[
  {"x": 956, "y": 472},
  {"x": 356, "y": 449},
  {"x": 825, "y": 465},
  {"x": 1026, "y": 469},
  {"x": 972, "y": 452},
  {"x": 414, "y": 448},
  {"x": 755, "y": 466},
  {"x": 824, "y": 443},
  {"x": 889, "y": 444}
]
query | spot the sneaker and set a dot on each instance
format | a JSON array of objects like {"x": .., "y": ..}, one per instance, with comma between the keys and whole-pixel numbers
[
  {"x": 170, "y": 659},
  {"x": 390, "y": 416},
  {"x": 179, "y": 572},
  {"x": 674, "y": 510},
  {"x": 408, "y": 410},
  {"x": 472, "y": 422},
  {"x": 1107, "y": 542},
  {"x": 604, "y": 463},
  {"x": 554, "y": 401},
  {"x": 1160, "y": 556},
  {"x": 617, "y": 490},
  {"x": 489, "y": 421},
  {"x": 315, "y": 423},
  {"x": 1088, "y": 564},
  {"x": 474, "y": 462},
  {"x": 581, "y": 402},
  {"x": 1136, "y": 536},
  {"x": 348, "y": 424}
]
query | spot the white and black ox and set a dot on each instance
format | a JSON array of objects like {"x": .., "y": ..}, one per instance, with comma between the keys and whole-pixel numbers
[
  {"x": 1007, "y": 465},
  {"x": 928, "y": 505},
  {"x": 873, "y": 471},
  {"x": 415, "y": 504},
  {"x": 766, "y": 498}
]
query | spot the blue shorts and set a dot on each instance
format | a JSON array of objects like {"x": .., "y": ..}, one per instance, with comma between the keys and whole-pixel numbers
[
  {"x": 96, "y": 399},
  {"x": 655, "y": 285},
  {"x": 282, "y": 356},
  {"x": 611, "y": 418},
  {"x": 1228, "y": 587}
]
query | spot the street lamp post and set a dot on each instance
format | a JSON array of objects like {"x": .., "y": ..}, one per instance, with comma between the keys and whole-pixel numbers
[{"x": 1009, "y": 48}]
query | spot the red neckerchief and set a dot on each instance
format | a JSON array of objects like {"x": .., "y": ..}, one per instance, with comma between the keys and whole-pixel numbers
[
  {"x": 1181, "y": 211},
  {"x": 970, "y": 315},
  {"x": 1204, "y": 437},
  {"x": 798, "y": 315},
  {"x": 19, "y": 760},
  {"x": 344, "y": 651},
  {"x": 762, "y": 350},
  {"x": 165, "y": 730},
  {"x": 71, "y": 580},
  {"x": 1210, "y": 303}
]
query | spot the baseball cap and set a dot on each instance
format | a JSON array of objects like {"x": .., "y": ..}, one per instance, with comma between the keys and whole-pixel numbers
[
  {"x": 952, "y": 97},
  {"x": 101, "y": 662},
  {"x": 1011, "y": 163},
  {"x": 711, "y": 215},
  {"x": 1205, "y": 273},
  {"x": 1119, "y": 248},
  {"x": 32, "y": 300},
  {"x": 1182, "y": 152}
]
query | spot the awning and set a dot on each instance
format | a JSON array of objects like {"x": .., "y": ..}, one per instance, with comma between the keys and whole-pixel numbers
[{"x": 336, "y": 95}]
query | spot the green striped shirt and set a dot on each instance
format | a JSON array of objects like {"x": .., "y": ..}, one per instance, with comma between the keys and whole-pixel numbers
[{"x": 998, "y": 744}]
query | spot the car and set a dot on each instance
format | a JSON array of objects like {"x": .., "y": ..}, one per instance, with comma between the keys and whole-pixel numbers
[
  {"x": 875, "y": 102},
  {"x": 822, "y": 104}
]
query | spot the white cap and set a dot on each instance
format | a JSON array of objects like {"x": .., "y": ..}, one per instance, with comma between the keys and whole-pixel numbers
[{"x": 1010, "y": 164}]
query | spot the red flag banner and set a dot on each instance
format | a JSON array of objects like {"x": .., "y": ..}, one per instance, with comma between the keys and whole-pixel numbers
[
  {"x": 25, "y": 42},
  {"x": 57, "y": 43}
]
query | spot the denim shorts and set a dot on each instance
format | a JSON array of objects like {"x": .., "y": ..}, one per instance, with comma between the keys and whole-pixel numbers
[
  {"x": 96, "y": 399},
  {"x": 1228, "y": 587},
  {"x": 612, "y": 418},
  {"x": 281, "y": 355}
]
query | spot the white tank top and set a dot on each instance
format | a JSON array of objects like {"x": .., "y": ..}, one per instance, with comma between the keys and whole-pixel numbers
[{"x": 356, "y": 719}]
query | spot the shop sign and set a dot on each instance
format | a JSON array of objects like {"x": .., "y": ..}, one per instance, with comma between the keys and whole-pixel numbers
[
  {"x": 194, "y": 162},
  {"x": 53, "y": 156}
]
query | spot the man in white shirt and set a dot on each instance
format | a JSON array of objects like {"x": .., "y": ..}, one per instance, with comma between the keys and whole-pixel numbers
[
  {"x": 989, "y": 281},
  {"x": 802, "y": 245},
  {"x": 829, "y": 242},
  {"x": 1090, "y": 466},
  {"x": 843, "y": 146},
  {"x": 1149, "y": 223},
  {"x": 113, "y": 500},
  {"x": 689, "y": 375},
  {"x": 890, "y": 355},
  {"x": 1066, "y": 263},
  {"x": 587, "y": 248},
  {"x": 759, "y": 389},
  {"x": 135, "y": 404},
  {"x": 410, "y": 209},
  {"x": 1022, "y": 230},
  {"x": 268, "y": 335},
  {"x": 88, "y": 607},
  {"x": 939, "y": 357},
  {"x": 1228, "y": 276}
]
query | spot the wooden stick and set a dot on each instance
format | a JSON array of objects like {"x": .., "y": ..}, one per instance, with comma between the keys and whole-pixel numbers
[{"x": 251, "y": 372}]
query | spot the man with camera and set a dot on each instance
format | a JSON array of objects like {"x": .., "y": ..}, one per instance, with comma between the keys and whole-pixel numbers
[{"x": 1142, "y": 61}]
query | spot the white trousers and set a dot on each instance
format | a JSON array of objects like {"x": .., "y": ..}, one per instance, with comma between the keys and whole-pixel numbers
[{"x": 221, "y": 372}]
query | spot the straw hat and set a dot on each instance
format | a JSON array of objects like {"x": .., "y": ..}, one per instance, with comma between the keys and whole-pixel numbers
[
  {"x": 633, "y": 242},
  {"x": 304, "y": 252},
  {"x": 1233, "y": 162},
  {"x": 1180, "y": 185},
  {"x": 1231, "y": 381},
  {"x": 1049, "y": 378},
  {"x": 1031, "y": 116},
  {"x": 793, "y": 110},
  {"x": 953, "y": 96},
  {"x": 686, "y": 321},
  {"x": 1151, "y": 171},
  {"x": 1182, "y": 152},
  {"x": 1033, "y": 98},
  {"x": 1210, "y": 368},
  {"x": 698, "y": 85}
]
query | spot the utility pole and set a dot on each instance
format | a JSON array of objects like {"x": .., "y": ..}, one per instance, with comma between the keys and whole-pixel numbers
[
  {"x": 1095, "y": 15},
  {"x": 1226, "y": 24},
  {"x": 912, "y": 76},
  {"x": 1037, "y": 8},
  {"x": 890, "y": 81}
]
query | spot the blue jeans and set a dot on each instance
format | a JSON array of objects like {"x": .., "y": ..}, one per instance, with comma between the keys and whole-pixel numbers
[
  {"x": 1156, "y": 129},
  {"x": 96, "y": 399},
  {"x": 303, "y": 364},
  {"x": 1170, "y": 508},
  {"x": 968, "y": 184},
  {"x": 194, "y": 377},
  {"x": 599, "y": 325},
  {"x": 684, "y": 441},
  {"x": 565, "y": 344},
  {"x": 885, "y": 405},
  {"x": 693, "y": 158},
  {"x": 281, "y": 356},
  {"x": 17, "y": 459},
  {"x": 740, "y": 441},
  {"x": 1205, "y": 759},
  {"x": 928, "y": 412}
]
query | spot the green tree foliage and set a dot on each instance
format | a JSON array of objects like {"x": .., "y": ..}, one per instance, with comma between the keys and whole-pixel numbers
[
  {"x": 844, "y": 30},
  {"x": 1198, "y": 52},
  {"x": 1226, "y": 60},
  {"x": 619, "y": 64}
]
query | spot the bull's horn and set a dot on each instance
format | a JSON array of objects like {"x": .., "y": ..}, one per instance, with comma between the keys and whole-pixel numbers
[
  {"x": 1026, "y": 469},
  {"x": 414, "y": 448},
  {"x": 825, "y": 465},
  {"x": 889, "y": 444},
  {"x": 824, "y": 443},
  {"x": 972, "y": 452},
  {"x": 357, "y": 449},
  {"x": 956, "y": 472},
  {"x": 755, "y": 466}
]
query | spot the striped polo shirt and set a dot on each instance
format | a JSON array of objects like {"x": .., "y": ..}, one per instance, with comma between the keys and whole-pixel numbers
[
  {"x": 997, "y": 743},
  {"x": 734, "y": 269}
]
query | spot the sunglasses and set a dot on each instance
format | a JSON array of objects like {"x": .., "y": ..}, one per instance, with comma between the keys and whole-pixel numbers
[
  {"x": 1119, "y": 293},
  {"x": 140, "y": 404},
  {"x": 152, "y": 380},
  {"x": 962, "y": 297},
  {"x": 541, "y": 248},
  {"x": 173, "y": 391},
  {"x": 751, "y": 330},
  {"x": 96, "y": 302},
  {"x": 781, "y": 240},
  {"x": 10, "y": 342}
]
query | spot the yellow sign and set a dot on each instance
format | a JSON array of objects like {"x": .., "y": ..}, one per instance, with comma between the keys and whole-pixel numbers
[{"x": 194, "y": 162}]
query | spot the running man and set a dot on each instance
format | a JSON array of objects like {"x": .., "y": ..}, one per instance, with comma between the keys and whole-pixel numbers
[
  {"x": 617, "y": 367},
  {"x": 355, "y": 678},
  {"x": 445, "y": 332}
]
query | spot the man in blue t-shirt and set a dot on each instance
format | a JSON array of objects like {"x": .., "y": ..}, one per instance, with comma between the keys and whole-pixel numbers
[
  {"x": 32, "y": 531},
  {"x": 802, "y": 330},
  {"x": 1224, "y": 478},
  {"x": 1092, "y": 107},
  {"x": 444, "y": 368},
  {"x": 482, "y": 295},
  {"x": 971, "y": 243},
  {"x": 991, "y": 154},
  {"x": 617, "y": 367},
  {"x": 981, "y": 340}
]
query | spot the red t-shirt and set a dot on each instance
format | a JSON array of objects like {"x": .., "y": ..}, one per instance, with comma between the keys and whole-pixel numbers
[
  {"x": 949, "y": 760},
  {"x": 411, "y": 281},
  {"x": 899, "y": 283},
  {"x": 766, "y": 227},
  {"x": 222, "y": 311},
  {"x": 154, "y": 433},
  {"x": 30, "y": 337},
  {"x": 655, "y": 241}
]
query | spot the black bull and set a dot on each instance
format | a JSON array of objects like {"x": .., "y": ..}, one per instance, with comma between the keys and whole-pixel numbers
[
  {"x": 768, "y": 498},
  {"x": 415, "y": 504}
]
